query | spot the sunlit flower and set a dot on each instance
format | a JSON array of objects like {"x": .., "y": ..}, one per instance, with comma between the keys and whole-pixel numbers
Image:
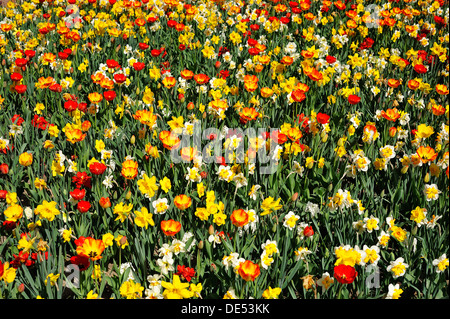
[
  {"x": 394, "y": 291},
  {"x": 47, "y": 210},
  {"x": 170, "y": 227},
  {"x": 147, "y": 185},
  {"x": 270, "y": 205},
  {"x": 397, "y": 267},
  {"x": 441, "y": 263},
  {"x": 122, "y": 211},
  {"x": 182, "y": 201},
  {"x": 143, "y": 218},
  {"x": 431, "y": 192},
  {"x": 129, "y": 169},
  {"x": 248, "y": 270},
  {"x": 92, "y": 248},
  {"x": 176, "y": 289}
]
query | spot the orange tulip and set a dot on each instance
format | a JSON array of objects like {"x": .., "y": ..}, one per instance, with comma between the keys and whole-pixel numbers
[
  {"x": 170, "y": 227},
  {"x": 248, "y": 114},
  {"x": 182, "y": 202},
  {"x": 391, "y": 114},
  {"x": 187, "y": 153},
  {"x": 201, "y": 78},
  {"x": 129, "y": 169},
  {"x": 74, "y": 135},
  {"x": 393, "y": 83},
  {"x": 105, "y": 202},
  {"x": 438, "y": 110},
  {"x": 413, "y": 84},
  {"x": 248, "y": 270},
  {"x": 298, "y": 95},
  {"x": 441, "y": 89},
  {"x": 426, "y": 154},
  {"x": 95, "y": 97},
  {"x": 145, "y": 117},
  {"x": 91, "y": 248},
  {"x": 169, "y": 140},
  {"x": 239, "y": 217},
  {"x": 169, "y": 82},
  {"x": 187, "y": 74}
]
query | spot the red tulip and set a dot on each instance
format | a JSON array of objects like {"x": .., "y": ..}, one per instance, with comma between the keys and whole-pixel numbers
[
  {"x": 353, "y": 99},
  {"x": 63, "y": 55},
  {"x": 143, "y": 46},
  {"x": 81, "y": 261},
  {"x": 83, "y": 206},
  {"x": 4, "y": 168},
  {"x": 155, "y": 52},
  {"x": 120, "y": 78},
  {"x": 21, "y": 88},
  {"x": 308, "y": 231},
  {"x": 55, "y": 88},
  {"x": 30, "y": 53},
  {"x": 70, "y": 106},
  {"x": 21, "y": 62},
  {"x": 322, "y": 118},
  {"x": 16, "y": 77},
  {"x": 345, "y": 274},
  {"x": 112, "y": 64},
  {"x": 420, "y": 68},
  {"x": 109, "y": 95},
  {"x": 78, "y": 194},
  {"x": 138, "y": 66},
  {"x": 171, "y": 23},
  {"x": 97, "y": 168}
]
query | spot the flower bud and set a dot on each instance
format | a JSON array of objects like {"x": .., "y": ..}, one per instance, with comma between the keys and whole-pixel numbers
[
  {"x": 105, "y": 202},
  {"x": 200, "y": 245},
  {"x": 294, "y": 196},
  {"x": 426, "y": 179},
  {"x": 392, "y": 131},
  {"x": 190, "y": 106},
  {"x": 404, "y": 169},
  {"x": 123, "y": 240},
  {"x": 133, "y": 140},
  {"x": 308, "y": 231},
  {"x": 21, "y": 288},
  {"x": 211, "y": 230},
  {"x": 128, "y": 195}
]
